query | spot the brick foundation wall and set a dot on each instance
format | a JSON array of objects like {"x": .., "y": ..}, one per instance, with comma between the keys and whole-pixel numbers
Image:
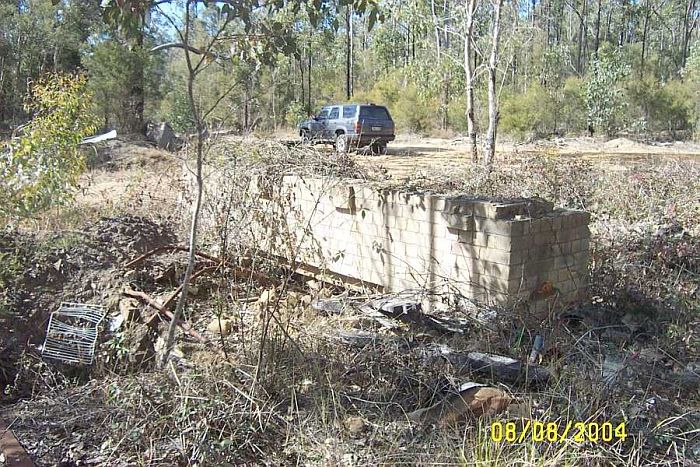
[{"x": 493, "y": 252}]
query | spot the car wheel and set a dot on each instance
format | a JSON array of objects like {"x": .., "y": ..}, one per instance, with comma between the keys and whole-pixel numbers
[
  {"x": 341, "y": 143},
  {"x": 379, "y": 148},
  {"x": 305, "y": 138}
]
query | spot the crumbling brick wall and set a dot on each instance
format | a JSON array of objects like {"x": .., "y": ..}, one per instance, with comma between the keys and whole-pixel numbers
[{"x": 493, "y": 252}]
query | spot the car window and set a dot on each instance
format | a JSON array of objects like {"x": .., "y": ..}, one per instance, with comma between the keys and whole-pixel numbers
[
  {"x": 373, "y": 111},
  {"x": 349, "y": 111},
  {"x": 323, "y": 114},
  {"x": 334, "y": 113}
]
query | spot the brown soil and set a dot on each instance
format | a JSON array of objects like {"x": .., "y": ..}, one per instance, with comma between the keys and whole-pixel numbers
[{"x": 411, "y": 154}]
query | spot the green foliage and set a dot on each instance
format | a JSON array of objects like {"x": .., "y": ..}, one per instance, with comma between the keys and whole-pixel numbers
[
  {"x": 571, "y": 105},
  {"x": 410, "y": 109},
  {"x": 529, "y": 114},
  {"x": 663, "y": 106},
  {"x": 296, "y": 112},
  {"x": 267, "y": 50},
  {"x": 38, "y": 169},
  {"x": 37, "y": 37},
  {"x": 691, "y": 73},
  {"x": 114, "y": 69},
  {"x": 605, "y": 99}
]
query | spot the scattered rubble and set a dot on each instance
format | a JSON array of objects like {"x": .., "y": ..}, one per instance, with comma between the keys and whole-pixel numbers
[{"x": 163, "y": 136}]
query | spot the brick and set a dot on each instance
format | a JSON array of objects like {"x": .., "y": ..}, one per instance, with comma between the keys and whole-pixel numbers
[
  {"x": 439, "y": 203},
  {"x": 458, "y": 221},
  {"x": 556, "y": 223},
  {"x": 565, "y": 261},
  {"x": 501, "y": 257},
  {"x": 544, "y": 238},
  {"x": 538, "y": 253},
  {"x": 534, "y": 267},
  {"x": 475, "y": 238},
  {"x": 498, "y": 227},
  {"x": 457, "y": 205},
  {"x": 564, "y": 275},
  {"x": 466, "y": 249},
  {"x": 484, "y": 209}
]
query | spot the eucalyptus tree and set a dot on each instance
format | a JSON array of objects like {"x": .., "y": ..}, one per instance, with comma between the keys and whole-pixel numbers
[{"x": 490, "y": 140}]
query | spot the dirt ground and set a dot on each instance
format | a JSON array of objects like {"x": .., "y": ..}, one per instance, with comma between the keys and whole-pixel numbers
[
  {"x": 411, "y": 154},
  {"x": 142, "y": 169}
]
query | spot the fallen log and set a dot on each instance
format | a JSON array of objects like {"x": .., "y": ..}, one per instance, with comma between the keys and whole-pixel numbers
[{"x": 158, "y": 307}]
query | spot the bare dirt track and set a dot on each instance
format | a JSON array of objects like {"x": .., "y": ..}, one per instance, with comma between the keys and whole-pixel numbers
[{"x": 411, "y": 154}]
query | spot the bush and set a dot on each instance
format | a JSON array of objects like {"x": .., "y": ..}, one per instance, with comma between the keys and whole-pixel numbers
[
  {"x": 176, "y": 110},
  {"x": 410, "y": 110},
  {"x": 605, "y": 99},
  {"x": 528, "y": 115},
  {"x": 113, "y": 70},
  {"x": 571, "y": 106},
  {"x": 296, "y": 112},
  {"x": 41, "y": 166},
  {"x": 662, "y": 106}
]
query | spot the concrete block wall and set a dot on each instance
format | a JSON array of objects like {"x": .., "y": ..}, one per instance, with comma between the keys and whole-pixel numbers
[{"x": 494, "y": 252}]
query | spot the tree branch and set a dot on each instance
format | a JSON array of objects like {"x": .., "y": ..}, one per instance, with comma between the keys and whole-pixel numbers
[{"x": 178, "y": 45}]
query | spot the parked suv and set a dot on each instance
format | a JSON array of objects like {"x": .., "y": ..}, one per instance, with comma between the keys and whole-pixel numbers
[{"x": 350, "y": 125}]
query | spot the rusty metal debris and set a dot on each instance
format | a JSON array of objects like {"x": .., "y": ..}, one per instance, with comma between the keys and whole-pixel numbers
[{"x": 72, "y": 333}]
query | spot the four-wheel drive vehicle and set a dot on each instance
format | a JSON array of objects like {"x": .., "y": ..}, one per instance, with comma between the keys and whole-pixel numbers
[{"x": 350, "y": 125}]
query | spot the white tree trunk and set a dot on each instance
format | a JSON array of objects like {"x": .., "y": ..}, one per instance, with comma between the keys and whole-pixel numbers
[
  {"x": 437, "y": 29},
  {"x": 490, "y": 144},
  {"x": 469, "y": 73}
]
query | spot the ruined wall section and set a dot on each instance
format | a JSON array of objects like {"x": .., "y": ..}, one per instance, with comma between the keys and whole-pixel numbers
[{"x": 493, "y": 252}]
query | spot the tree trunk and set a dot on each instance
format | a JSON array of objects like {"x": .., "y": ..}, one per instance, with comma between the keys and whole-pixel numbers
[
  {"x": 490, "y": 144},
  {"x": 437, "y": 29},
  {"x": 137, "y": 85},
  {"x": 273, "y": 79},
  {"x": 348, "y": 53},
  {"x": 597, "y": 30},
  {"x": 582, "y": 36},
  {"x": 469, "y": 75},
  {"x": 352, "y": 51},
  {"x": 199, "y": 124},
  {"x": 303, "y": 83},
  {"x": 647, "y": 11},
  {"x": 689, "y": 23},
  {"x": 309, "y": 65}
]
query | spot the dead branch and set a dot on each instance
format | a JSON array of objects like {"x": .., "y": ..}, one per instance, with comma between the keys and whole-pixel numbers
[
  {"x": 157, "y": 306},
  {"x": 177, "y": 291},
  {"x": 161, "y": 249}
]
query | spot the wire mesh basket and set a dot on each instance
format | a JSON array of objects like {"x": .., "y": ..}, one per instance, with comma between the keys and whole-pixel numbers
[{"x": 72, "y": 333}]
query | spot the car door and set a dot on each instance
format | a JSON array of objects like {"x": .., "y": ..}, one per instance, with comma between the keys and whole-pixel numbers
[
  {"x": 331, "y": 124},
  {"x": 318, "y": 124}
]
